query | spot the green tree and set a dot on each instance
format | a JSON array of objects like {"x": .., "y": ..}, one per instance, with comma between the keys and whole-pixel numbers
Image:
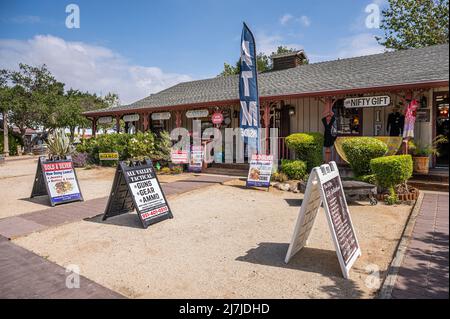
[
  {"x": 414, "y": 24},
  {"x": 69, "y": 114},
  {"x": 263, "y": 62},
  {"x": 37, "y": 95}
]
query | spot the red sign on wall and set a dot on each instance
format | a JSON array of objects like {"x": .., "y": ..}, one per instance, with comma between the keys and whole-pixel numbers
[{"x": 217, "y": 118}]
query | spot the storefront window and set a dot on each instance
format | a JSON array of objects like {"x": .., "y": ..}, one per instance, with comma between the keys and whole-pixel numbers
[{"x": 348, "y": 120}]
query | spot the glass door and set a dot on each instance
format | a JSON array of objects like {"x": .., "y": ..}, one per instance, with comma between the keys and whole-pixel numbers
[{"x": 442, "y": 126}]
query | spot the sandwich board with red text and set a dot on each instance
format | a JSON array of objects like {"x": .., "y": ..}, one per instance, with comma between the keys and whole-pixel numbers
[
  {"x": 260, "y": 171},
  {"x": 58, "y": 180},
  {"x": 136, "y": 187},
  {"x": 325, "y": 187}
]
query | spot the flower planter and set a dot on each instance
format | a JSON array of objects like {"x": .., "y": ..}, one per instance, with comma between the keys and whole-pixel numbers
[
  {"x": 421, "y": 164},
  {"x": 411, "y": 195}
]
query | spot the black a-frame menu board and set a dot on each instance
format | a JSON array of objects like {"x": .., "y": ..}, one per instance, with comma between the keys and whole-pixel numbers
[{"x": 136, "y": 187}]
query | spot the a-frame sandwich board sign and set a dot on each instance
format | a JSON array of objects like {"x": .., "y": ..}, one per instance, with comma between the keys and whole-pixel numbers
[
  {"x": 58, "y": 180},
  {"x": 136, "y": 187},
  {"x": 325, "y": 186}
]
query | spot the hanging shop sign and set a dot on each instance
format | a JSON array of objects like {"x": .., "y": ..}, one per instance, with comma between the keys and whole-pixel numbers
[
  {"x": 161, "y": 116},
  {"x": 136, "y": 187},
  {"x": 58, "y": 180},
  {"x": 108, "y": 156},
  {"x": 196, "y": 159},
  {"x": 217, "y": 118},
  {"x": 179, "y": 157},
  {"x": 260, "y": 171},
  {"x": 324, "y": 186},
  {"x": 197, "y": 113},
  {"x": 370, "y": 101},
  {"x": 131, "y": 118},
  {"x": 105, "y": 120}
]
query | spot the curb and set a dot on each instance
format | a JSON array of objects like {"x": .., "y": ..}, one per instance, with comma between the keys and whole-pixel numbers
[{"x": 389, "y": 282}]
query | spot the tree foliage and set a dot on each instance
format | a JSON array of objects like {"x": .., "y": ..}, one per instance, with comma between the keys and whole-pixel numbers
[
  {"x": 414, "y": 24},
  {"x": 263, "y": 62}
]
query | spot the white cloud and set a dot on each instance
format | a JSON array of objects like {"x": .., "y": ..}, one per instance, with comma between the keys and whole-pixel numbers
[
  {"x": 88, "y": 67},
  {"x": 305, "y": 21},
  {"x": 269, "y": 43},
  {"x": 285, "y": 19},
  {"x": 358, "y": 45}
]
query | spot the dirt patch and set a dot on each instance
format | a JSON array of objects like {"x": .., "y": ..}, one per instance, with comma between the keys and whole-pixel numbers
[{"x": 224, "y": 242}]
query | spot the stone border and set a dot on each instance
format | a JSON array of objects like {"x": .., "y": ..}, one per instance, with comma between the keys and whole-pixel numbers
[{"x": 391, "y": 277}]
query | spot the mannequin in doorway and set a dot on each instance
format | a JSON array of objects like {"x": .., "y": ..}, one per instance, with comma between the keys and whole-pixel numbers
[
  {"x": 330, "y": 134},
  {"x": 395, "y": 122}
]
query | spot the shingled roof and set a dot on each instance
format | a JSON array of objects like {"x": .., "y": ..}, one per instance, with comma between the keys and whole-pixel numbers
[{"x": 407, "y": 67}]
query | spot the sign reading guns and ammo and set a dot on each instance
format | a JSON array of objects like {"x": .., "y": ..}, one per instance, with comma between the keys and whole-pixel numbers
[
  {"x": 58, "y": 180},
  {"x": 324, "y": 186},
  {"x": 137, "y": 187}
]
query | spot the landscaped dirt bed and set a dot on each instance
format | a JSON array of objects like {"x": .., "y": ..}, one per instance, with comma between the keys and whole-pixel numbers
[{"x": 225, "y": 241}]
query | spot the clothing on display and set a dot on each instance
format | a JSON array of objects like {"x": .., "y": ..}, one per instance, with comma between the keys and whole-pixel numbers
[
  {"x": 410, "y": 119},
  {"x": 395, "y": 123},
  {"x": 329, "y": 132}
]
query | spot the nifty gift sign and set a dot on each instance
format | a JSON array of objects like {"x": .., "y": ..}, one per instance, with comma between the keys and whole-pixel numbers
[{"x": 248, "y": 90}]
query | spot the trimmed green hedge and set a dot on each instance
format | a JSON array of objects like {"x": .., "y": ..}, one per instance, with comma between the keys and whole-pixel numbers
[
  {"x": 360, "y": 151},
  {"x": 391, "y": 171},
  {"x": 294, "y": 169},
  {"x": 128, "y": 146},
  {"x": 308, "y": 147}
]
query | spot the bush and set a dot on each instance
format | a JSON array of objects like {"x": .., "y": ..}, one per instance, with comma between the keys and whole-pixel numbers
[
  {"x": 308, "y": 147},
  {"x": 371, "y": 179},
  {"x": 141, "y": 145},
  {"x": 164, "y": 171},
  {"x": 360, "y": 151},
  {"x": 294, "y": 169},
  {"x": 80, "y": 159},
  {"x": 177, "y": 170},
  {"x": 13, "y": 142},
  {"x": 391, "y": 171},
  {"x": 279, "y": 177}
]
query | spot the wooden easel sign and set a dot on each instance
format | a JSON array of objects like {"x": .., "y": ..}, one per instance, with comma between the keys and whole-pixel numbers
[
  {"x": 260, "y": 171},
  {"x": 58, "y": 180},
  {"x": 324, "y": 186},
  {"x": 136, "y": 186}
]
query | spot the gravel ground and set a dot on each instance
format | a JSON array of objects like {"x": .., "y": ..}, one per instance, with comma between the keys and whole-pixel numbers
[{"x": 224, "y": 242}]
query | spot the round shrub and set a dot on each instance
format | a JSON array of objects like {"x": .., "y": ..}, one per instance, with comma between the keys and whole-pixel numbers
[
  {"x": 360, "y": 151},
  {"x": 391, "y": 171},
  {"x": 308, "y": 147},
  {"x": 294, "y": 169}
]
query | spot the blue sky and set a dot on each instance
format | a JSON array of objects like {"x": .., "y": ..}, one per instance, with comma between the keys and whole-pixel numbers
[{"x": 139, "y": 47}]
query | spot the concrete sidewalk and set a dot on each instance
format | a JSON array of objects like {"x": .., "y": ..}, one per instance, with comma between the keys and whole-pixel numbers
[{"x": 424, "y": 272}]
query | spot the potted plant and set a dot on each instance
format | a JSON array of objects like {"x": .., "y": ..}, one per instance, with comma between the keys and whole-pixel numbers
[
  {"x": 59, "y": 146},
  {"x": 421, "y": 153}
]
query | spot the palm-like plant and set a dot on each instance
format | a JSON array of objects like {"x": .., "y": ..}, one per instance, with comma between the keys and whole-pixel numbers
[{"x": 58, "y": 144}]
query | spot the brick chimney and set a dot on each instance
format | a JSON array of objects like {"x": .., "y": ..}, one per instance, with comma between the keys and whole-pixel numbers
[{"x": 288, "y": 60}]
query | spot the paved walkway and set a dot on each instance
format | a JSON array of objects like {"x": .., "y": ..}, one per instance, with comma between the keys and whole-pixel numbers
[
  {"x": 24, "y": 274},
  {"x": 25, "y": 224},
  {"x": 424, "y": 272}
]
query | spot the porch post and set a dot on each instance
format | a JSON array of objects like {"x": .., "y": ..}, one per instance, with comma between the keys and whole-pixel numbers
[
  {"x": 94, "y": 126},
  {"x": 118, "y": 123},
  {"x": 267, "y": 125},
  {"x": 178, "y": 119},
  {"x": 145, "y": 122}
]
